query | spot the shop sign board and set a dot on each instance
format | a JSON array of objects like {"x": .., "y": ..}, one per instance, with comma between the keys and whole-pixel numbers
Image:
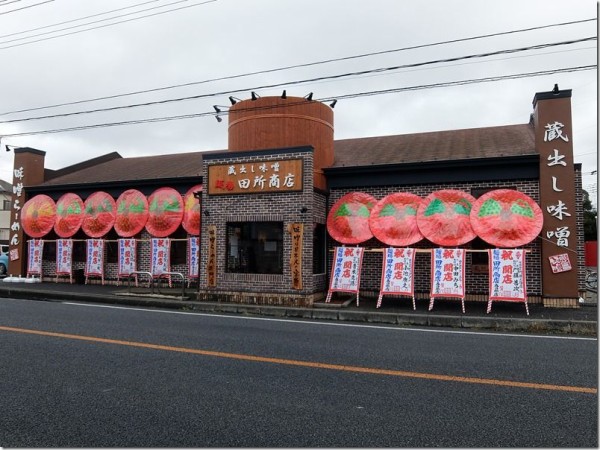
[{"x": 252, "y": 177}]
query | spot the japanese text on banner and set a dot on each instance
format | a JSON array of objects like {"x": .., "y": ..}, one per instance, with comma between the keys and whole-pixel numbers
[
  {"x": 507, "y": 274},
  {"x": 193, "y": 256},
  {"x": 94, "y": 264},
  {"x": 448, "y": 272},
  {"x": 161, "y": 256},
  {"x": 64, "y": 256},
  {"x": 34, "y": 262},
  {"x": 346, "y": 269},
  {"x": 127, "y": 257},
  {"x": 397, "y": 272}
]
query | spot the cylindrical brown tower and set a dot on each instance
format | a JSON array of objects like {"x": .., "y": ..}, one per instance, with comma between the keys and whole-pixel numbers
[{"x": 275, "y": 122}]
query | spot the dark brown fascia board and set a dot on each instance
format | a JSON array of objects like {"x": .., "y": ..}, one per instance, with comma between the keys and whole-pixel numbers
[
  {"x": 476, "y": 169},
  {"x": 115, "y": 185}
]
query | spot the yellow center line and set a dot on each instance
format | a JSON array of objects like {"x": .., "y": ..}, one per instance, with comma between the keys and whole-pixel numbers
[{"x": 317, "y": 365}]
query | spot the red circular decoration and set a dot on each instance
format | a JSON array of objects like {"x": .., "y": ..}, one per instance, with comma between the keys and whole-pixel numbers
[
  {"x": 132, "y": 213},
  {"x": 191, "y": 211},
  {"x": 348, "y": 219},
  {"x": 506, "y": 218},
  {"x": 444, "y": 217},
  {"x": 69, "y": 215},
  {"x": 165, "y": 212},
  {"x": 38, "y": 215},
  {"x": 99, "y": 214},
  {"x": 393, "y": 219}
]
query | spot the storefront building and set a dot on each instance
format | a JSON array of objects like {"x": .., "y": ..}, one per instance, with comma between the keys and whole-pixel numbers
[{"x": 262, "y": 205}]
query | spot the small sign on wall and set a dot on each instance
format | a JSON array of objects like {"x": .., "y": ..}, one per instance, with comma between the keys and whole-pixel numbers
[{"x": 560, "y": 263}]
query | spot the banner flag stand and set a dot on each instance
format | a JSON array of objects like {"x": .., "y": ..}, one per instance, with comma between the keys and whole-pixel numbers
[
  {"x": 397, "y": 274},
  {"x": 64, "y": 259},
  {"x": 448, "y": 274},
  {"x": 507, "y": 276},
  {"x": 346, "y": 267},
  {"x": 94, "y": 265}
]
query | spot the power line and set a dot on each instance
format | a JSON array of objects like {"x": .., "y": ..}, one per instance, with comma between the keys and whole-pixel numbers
[
  {"x": 25, "y": 7},
  {"x": 108, "y": 24},
  {"x": 348, "y": 96},
  {"x": 299, "y": 66},
  {"x": 290, "y": 83},
  {"x": 6, "y": 2},
  {"x": 75, "y": 20},
  {"x": 96, "y": 21}
]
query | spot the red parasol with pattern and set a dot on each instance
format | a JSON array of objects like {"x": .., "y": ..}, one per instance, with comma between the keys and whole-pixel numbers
[
  {"x": 38, "y": 215},
  {"x": 69, "y": 215},
  {"x": 165, "y": 212},
  {"x": 348, "y": 219},
  {"x": 506, "y": 218},
  {"x": 191, "y": 211},
  {"x": 99, "y": 214},
  {"x": 132, "y": 213},
  {"x": 444, "y": 217},
  {"x": 393, "y": 219}
]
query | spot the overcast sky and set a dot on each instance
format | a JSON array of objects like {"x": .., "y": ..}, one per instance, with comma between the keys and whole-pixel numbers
[{"x": 201, "y": 40}]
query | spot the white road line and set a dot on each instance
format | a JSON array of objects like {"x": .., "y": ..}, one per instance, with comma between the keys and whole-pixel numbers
[{"x": 334, "y": 324}]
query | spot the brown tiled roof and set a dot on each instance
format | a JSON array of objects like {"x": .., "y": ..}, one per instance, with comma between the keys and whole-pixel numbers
[
  {"x": 510, "y": 140},
  {"x": 174, "y": 165}
]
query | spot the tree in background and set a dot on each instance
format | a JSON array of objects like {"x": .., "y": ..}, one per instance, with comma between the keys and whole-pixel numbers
[{"x": 590, "y": 225}]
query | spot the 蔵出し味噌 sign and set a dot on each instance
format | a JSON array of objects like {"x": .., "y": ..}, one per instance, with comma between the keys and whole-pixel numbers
[{"x": 255, "y": 177}]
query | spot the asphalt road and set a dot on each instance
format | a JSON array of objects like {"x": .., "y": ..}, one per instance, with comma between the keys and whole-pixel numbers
[{"x": 97, "y": 376}]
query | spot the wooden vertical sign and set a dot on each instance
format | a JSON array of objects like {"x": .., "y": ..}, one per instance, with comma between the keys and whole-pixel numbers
[
  {"x": 297, "y": 231},
  {"x": 212, "y": 256}
]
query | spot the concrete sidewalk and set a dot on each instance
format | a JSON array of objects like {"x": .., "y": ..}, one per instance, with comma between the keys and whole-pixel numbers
[{"x": 505, "y": 316}]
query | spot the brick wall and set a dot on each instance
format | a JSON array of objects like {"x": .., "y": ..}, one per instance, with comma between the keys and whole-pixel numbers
[
  {"x": 476, "y": 283},
  {"x": 282, "y": 207}
]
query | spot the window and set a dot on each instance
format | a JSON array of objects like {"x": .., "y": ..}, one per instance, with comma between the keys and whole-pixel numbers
[
  {"x": 319, "y": 250},
  {"x": 6, "y": 205},
  {"x": 255, "y": 247}
]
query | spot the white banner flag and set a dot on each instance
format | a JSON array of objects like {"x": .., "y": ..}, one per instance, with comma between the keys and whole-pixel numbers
[
  {"x": 127, "y": 257},
  {"x": 94, "y": 264},
  {"x": 398, "y": 268},
  {"x": 347, "y": 262},
  {"x": 448, "y": 272},
  {"x": 507, "y": 274},
  {"x": 34, "y": 260},
  {"x": 64, "y": 256},
  {"x": 193, "y": 256},
  {"x": 161, "y": 256}
]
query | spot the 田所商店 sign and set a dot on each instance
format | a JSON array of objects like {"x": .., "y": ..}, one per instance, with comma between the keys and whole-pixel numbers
[{"x": 255, "y": 177}]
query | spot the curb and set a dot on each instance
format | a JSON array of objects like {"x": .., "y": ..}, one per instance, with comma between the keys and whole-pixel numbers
[{"x": 573, "y": 327}]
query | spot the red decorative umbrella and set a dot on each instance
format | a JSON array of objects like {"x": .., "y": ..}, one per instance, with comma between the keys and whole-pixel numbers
[
  {"x": 165, "y": 212},
  {"x": 191, "y": 211},
  {"x": 444, "y": 217},
  {"x": 506, "y": 218},
  {"x": 69, "y": 215},
  {"x": 99, "y": 216},
  {"x": 132, "y": 213},
  {"x": 348, "y": 219},
  {"x": 393, "y": 219},
  {"x": 38, "y": 215}
]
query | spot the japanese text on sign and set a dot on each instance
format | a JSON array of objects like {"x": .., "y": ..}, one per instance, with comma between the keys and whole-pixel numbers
[
  {"x": 95, "y": 257},
  {"x": 397, "y": 271},
  {"x": 507, "y": 274},
  {"x": 193, "y": 256},
  {"x": 64, "y": 256},
  {"x": 253, "y": 177},
  {"x": 34, "y": 261},
  {"x": 161, "y": 256},
  {"x": 347, "y": 263},
  {"x": 448, "y": 272},
  {"x": 127, "y": 257}
]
